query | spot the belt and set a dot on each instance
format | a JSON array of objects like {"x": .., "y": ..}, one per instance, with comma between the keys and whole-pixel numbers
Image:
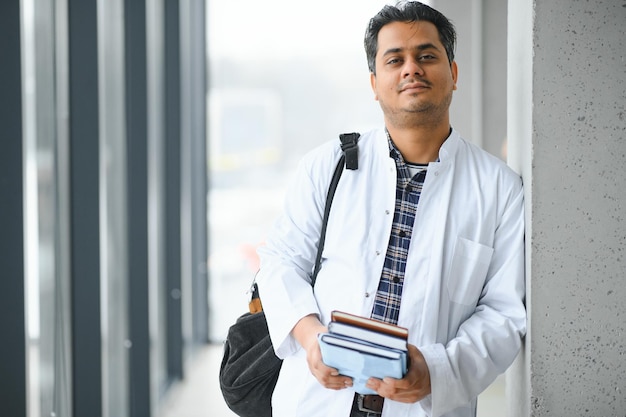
[{"x": 370, "y": 403}]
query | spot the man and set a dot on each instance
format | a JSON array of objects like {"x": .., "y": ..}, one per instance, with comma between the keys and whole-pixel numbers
[{"x": 428, "y": 233}]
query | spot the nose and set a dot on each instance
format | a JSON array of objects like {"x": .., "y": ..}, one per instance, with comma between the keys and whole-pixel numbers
[{"x": 412, "y": 67}]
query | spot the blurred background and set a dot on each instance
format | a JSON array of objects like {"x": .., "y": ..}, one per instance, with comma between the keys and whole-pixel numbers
[
  {"x": 146, "y": 146},
  {"x": 157, "y": 139},
  {"x": 283, "y": 79}
]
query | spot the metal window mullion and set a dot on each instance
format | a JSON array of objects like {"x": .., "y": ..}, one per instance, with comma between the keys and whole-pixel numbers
[
  {"x": 173, "y": 191},
  {"x": 84, "y": 202},
  {"x": 12, "y": 296},
  {"x": 137, "y": 201}
]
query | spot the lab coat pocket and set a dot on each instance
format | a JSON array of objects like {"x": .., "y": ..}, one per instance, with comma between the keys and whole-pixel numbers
[{"x": 468, "y": 270}]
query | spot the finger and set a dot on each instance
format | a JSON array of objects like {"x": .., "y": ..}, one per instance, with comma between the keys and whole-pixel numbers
[
  {"x": 324, "y": 371},
  {"x": 399, "y": 390},
  {"x": 336, "y": 382},
  {"x": 373, "y": 383},
  {"x": 385, "y": 387},
  {"x": 330, "y": 377}
]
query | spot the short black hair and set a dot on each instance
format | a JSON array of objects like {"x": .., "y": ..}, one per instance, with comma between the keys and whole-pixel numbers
[{"x": 408, "y": 11}]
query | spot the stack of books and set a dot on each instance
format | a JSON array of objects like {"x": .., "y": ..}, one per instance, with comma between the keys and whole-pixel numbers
[{"x": 361, "y": 348}]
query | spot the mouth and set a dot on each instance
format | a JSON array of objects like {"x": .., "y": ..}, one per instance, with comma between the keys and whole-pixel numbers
[{"x": 414, "y": 87}]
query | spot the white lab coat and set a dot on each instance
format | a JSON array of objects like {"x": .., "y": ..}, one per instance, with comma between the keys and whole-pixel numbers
[{"x": 463, "y": 294}]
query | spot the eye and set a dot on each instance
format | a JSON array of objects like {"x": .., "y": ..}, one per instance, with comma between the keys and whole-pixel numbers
[
  {"x": 426, "y": 57},
  {"x": 393, "y": 61}
]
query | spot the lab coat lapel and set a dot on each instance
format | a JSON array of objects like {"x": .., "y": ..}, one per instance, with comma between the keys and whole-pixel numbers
[{"x": 431, "y": 223}]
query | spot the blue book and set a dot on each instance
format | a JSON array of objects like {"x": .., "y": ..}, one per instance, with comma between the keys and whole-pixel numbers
[{"x": 361, "y": 360}]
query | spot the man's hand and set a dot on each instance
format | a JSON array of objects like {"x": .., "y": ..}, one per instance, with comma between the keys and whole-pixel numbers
[
  {"x": 413, "y": 387},
  {"x": 305, "y": 332}
]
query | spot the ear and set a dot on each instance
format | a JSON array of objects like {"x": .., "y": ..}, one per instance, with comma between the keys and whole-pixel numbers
[
  {"x": 454, "y": 70},
  {"x": 373, "y": 84}
]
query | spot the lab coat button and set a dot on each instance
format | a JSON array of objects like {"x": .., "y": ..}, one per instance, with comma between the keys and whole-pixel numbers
[
  {"x": 387, "y": 212},
  {"x": 367, "y": 295},
  {"x": 377, "y": 252}
]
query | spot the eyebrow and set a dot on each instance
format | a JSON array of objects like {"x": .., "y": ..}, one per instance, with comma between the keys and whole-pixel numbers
[{"x": 419, "y": 48}]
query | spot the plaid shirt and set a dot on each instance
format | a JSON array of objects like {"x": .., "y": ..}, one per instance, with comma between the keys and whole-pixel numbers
[{"x": 408, "y": 190}]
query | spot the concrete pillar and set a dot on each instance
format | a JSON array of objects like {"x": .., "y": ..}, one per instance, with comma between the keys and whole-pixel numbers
[{"x": 567, "y": 136}]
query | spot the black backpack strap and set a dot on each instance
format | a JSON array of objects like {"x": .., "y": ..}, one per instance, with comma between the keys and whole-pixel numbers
[
  {"x": 349, "y": 146},
  {"x": 329, "y": 200},
  {"x": 350, "y": 160}
]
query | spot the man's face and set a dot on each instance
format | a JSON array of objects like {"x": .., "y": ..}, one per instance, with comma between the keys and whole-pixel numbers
[{"x": 414, "y": 80}]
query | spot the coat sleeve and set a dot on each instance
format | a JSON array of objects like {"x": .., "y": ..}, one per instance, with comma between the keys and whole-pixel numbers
[
  {"x": 487, "y": 342},
  {"x": 288, "y": 257}
]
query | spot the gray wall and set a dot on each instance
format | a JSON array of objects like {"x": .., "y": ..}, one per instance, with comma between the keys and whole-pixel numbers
[{"x": 567, "y": 131}]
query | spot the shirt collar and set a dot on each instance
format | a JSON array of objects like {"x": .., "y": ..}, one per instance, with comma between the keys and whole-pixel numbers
[
  {"x": 447, "y": 148},
  {"x": 393, "y": 151}
]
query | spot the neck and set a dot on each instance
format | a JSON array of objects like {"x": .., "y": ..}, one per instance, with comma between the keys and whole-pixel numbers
[{"x": 419, "y": 144}]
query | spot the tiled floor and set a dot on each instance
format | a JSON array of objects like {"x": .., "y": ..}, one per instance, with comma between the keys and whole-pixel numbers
[{"x": 199, "y": 394}]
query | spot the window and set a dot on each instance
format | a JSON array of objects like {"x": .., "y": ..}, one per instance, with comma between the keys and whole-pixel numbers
[{"x": 280, "y": 84}]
